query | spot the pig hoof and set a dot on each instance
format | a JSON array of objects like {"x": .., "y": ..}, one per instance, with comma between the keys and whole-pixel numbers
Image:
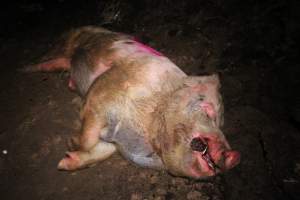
[{"x": 70, "y": 162}]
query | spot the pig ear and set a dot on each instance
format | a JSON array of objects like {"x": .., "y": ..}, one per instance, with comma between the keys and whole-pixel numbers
[{"x": 192, "y": 81}]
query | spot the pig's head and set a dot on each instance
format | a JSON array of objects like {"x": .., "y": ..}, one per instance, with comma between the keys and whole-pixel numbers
[{"x": 193, "y": 144}]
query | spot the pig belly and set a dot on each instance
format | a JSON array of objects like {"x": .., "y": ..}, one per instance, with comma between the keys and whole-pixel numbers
[{"x": 133, "y": 146}]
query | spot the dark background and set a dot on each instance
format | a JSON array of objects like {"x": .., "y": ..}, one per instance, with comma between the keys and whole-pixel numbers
[{"x": 253, "y": 44}]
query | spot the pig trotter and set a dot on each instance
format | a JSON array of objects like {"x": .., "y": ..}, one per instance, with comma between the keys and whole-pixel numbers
[
  {"x": 80, "y": 159},
  {"x": 71, "y": 161}
]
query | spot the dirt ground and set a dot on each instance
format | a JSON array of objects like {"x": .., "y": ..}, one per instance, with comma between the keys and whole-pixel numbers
[{"x": 252, "y": 46}]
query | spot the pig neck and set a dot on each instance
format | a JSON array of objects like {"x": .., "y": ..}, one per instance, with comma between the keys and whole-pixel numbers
[{"x": 157, "y": 127}]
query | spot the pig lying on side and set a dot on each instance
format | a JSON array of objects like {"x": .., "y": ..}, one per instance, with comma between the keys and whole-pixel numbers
[{"x": 142, "y": 105}]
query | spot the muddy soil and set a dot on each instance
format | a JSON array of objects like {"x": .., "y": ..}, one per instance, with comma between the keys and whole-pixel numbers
[{"x": 251, "y": 45}]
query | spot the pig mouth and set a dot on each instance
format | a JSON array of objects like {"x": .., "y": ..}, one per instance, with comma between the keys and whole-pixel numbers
[{"x": 199, "y": 145}]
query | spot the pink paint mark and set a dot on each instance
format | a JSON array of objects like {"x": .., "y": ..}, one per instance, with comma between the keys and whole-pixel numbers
[{"x": 147, "y": 49}]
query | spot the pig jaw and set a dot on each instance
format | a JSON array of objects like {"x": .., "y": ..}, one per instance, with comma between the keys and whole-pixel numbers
[{"x": 222, "y": 158}]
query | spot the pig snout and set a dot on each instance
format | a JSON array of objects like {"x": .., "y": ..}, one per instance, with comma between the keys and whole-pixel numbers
[{"x": 212, "y": 156}]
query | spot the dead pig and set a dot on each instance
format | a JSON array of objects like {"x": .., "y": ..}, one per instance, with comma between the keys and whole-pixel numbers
[
  {"x": 146, "y": 108},
  {"x": 142, "y": 105}
]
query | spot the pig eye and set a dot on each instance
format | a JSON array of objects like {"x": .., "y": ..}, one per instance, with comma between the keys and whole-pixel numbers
[{"x": 198, "y": 145}]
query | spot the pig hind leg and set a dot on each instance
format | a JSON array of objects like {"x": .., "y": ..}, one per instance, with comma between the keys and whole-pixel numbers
[{"x": 56, "y": 64}]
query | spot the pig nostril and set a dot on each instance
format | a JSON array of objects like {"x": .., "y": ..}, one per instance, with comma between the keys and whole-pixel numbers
[{"x": 198, "y": 145}]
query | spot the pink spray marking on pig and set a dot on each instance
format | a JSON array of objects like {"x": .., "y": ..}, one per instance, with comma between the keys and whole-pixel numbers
[{"x": 147, "y": 48}]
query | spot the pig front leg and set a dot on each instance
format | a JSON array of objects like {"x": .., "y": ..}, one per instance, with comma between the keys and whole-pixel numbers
[
  {"x": 80, "y": 159},
  {"x": 91, "y": 148}
]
